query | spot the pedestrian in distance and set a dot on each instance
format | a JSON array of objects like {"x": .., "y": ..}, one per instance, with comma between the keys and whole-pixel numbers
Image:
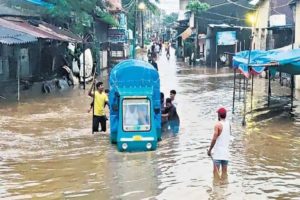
[
  {"x": 172, "y": 116},
  {"x": 160, "y": 44},
  {"x": 168, "y": 51},
  {"x": 100, "y": 100},
  {"x": 153, "y": 48},
  {"x": 149, "y": 56},
  {"x": 153, "y": 62},
  {"x": 157, "y": 49},
  {"x": 172, "y": 97},
  {"x": 220, "y": 144}
]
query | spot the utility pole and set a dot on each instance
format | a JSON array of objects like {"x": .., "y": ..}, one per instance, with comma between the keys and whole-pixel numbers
[
  {"x": 83, "y": 46},
  {"x": 134, "y": 29},
  {"x": 142, "y": 13}
]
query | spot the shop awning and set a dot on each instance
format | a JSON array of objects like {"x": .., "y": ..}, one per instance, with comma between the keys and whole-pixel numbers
[
  {"x": 186, "y": 34},
  {"x": 39, "y": 30},
  {"x": 11, "y": 37},
  {"x": 276, "y": 60}
]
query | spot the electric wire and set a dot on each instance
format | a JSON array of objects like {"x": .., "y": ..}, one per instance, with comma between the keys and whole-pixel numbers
[
  {"x": 227, "y": 16},
  {"x": 248, "y": 8},
  {"x": 283, "y": 5},
  {"x": 126, "y": 5}
]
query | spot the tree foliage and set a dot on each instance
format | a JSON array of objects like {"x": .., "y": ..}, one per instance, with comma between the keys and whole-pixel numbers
[
  {"x": 79, "y": 15},
  {"x": 197, "y": 6},
  {"x": 168, "y": 20},
  {"x": 130, "y": 7}
]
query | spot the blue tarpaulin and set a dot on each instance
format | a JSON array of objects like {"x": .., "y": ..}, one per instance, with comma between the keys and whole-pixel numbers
[
  {"x": 41, "y": 3},
  {"x": 281, "y": 61}
]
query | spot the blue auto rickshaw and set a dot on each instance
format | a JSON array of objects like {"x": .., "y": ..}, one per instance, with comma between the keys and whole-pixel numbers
[{"x": 135, "y": 110}]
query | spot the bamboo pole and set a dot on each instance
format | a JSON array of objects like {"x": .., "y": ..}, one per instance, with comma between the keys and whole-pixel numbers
[
  {"x": 252, "y": 87},
  {"x": 233, "y": 98},
  {"x": 83, "y": 45},
  {"x": 292, "y": 91},
  {"x": 269, "y": 89},
  {"x": 18, "y": 71}
]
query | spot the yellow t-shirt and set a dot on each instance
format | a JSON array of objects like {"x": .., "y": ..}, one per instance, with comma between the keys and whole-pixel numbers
[{"x": 99, "y": 103}]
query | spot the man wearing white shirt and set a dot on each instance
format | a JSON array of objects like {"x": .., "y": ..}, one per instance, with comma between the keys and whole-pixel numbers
[
  {"x": 220, "y": 144},
  {"x": 172, "y": 97}
]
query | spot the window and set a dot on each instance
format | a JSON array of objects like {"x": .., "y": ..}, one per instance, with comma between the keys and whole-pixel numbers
[{"x": 136, "y": 115}]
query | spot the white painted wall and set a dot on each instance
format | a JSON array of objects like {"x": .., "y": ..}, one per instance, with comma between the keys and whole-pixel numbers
[
  {"x": 260, "y": 31},
  {"x": 297, "y": 39}
]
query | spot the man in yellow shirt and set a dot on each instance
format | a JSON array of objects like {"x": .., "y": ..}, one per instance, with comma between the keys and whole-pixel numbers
[{"x": 100, "y": 100}]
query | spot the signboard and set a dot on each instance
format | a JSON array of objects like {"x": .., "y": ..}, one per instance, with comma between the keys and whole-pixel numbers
[
  {"x": 226, "y": 38},
  {"x": 122, "y": 21},
  {"x": 117, "y": 35},
  {"x": 277, "y": 20}
]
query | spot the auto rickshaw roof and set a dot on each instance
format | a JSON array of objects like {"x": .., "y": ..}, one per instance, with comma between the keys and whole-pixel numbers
[
  {"x": 136, "y": 91},
  {"x": 134, "y": 73}
]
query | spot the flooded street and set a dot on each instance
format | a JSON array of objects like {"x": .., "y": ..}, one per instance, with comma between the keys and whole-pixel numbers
[{"x": 48, "y": 151}]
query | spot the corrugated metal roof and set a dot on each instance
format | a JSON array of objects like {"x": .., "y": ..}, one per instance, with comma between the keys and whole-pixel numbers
[
  {"x": 10, "y": 36},
  {"x": 41, "y": 30},
  {"x": 68, "y": 35}
]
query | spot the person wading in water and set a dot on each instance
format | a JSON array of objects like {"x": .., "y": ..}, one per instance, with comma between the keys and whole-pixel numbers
[
  {"x": 220, "y": 144},
  {"x": 100, "y": 100}
]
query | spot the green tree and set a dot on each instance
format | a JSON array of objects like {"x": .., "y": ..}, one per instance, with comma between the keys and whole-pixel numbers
[
  {"x": 168, "y": 20},
  {"x": 79, "y": 15},
  {"x": 197, "y": 7},
  {"x": 130, "y": 6}
]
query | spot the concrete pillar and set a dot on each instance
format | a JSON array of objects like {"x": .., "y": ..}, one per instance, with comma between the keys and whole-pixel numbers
[
  {"x": 259, "y": 31},
  {"x": 297, "y": 39}
]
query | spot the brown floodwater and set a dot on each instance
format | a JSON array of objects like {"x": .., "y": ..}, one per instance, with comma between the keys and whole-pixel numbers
[{"x": 48, "y": 152}]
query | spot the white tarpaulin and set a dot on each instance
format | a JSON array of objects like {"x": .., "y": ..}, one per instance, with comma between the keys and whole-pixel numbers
[{"x": 88, "y": 65}]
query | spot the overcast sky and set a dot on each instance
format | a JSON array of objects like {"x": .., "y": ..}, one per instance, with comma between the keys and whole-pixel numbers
[{"x": 169, "y": 5}]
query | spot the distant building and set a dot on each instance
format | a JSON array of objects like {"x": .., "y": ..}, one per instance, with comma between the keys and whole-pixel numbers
[
  {"x": 274, "y": 25},
  {"x": 31, "y": 51},
  {"x": 277, "y": 26},
  {"x": 221, "y": 16}
]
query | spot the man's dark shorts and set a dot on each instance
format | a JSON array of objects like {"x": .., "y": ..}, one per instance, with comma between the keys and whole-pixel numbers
[
  {"x": 221, "y": 162},
  {"x": 97, "y": 120}
]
